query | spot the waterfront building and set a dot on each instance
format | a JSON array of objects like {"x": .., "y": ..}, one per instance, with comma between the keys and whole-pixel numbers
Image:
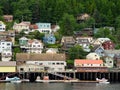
[
  {"x": 50, "y": 62},
  {"x": 7, "y": 66},
  {"x": 89, "y": 65}
]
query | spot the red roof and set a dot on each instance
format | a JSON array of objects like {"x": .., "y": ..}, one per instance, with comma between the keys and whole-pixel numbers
[
  {"x": 81, "y": 61},
  {"x": 33, "y": 26}
]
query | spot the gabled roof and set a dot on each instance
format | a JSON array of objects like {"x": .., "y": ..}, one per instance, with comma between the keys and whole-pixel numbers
[
  {"x": 97, "y": 47},
  {"x": 82, "y": 61},
  {"x": 40, "y": 57},
  {"x": 68, "y": 39}
]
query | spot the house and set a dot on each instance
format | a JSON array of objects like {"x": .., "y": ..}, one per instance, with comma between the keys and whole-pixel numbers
[
  {"x": 55, "y": 28},
  {"x": 5, "y": 45},
  {"x": 84, "y": 32},
  {"x": 111, "y": 53},
  {"x": 49, "y": 39},
  {"x": 6, "y": 55},
  {"x": 50, "y": 62},
  {"x": 24, "y": 25},
  {"x": 102, "y": 40},
  {"x": 7, "y": 66},
  {"x": 2, "y": 26},
  {"x": 34, "y": 46},
  {"x": 8, "y": 18},
  {"x": 23, "y": 41},
  {"x": 98, "y": 49},
  {"x": 108, "y": 61},
  {"x": 96, "y": 42},
  {"x": 52, "y": 50},
  {"x": 108, "y": 45},
  {"x": 5, "y": 35},
  {"x": 84, "y": 42},
  {"x": 93, "y": 56},
  {"x": 82, "y": 17},
  {"x": 67, "y": 42},
  {"x": 33, "y": 27},
  {"x": 117, "y": 60},
  {"x": 44, "y": 27},
  {"x": 89, "y": 65}
]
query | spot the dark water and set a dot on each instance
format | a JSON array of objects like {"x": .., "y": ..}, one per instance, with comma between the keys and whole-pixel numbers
[{"x": 58, "y": 86}]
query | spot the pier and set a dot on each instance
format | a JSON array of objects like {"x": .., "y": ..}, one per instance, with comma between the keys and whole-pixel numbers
[{"x": 112, "y": 76}]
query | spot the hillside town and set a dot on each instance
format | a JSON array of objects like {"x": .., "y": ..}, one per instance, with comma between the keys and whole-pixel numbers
[{"x": 29, "y": 47}]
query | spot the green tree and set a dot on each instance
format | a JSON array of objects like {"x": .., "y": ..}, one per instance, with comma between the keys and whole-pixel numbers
[
  {"x": 102, "y": 32},
  {"x": 76, "y": 52},
  {"x": 67, "y": 24}
]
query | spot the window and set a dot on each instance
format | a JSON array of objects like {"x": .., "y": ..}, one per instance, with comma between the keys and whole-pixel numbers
[
  {"x": 53, "y": 63},
  {"x": 21, "y": 69},
  {"x": 57, "y": 63},
  {"x": 110, "y": 61},
  {"x": 62, "y": 63},
  {"x": 40, "y": 63}
]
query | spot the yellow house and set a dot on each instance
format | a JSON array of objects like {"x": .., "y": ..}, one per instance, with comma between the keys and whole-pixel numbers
[{"x": 7, "y": 66}]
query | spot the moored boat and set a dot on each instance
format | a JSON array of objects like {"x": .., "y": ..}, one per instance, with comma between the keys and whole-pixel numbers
[{"x": 103, "y": 80}]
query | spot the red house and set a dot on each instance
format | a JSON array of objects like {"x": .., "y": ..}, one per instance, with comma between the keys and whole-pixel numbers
[{"x": 108, "y": 45}]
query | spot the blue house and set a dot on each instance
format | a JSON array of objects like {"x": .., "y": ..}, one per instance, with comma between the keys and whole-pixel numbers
[
  {"x": 49, "y": 39},
  {"x": 99, "y": 50},
  {"x": 44, "y": 27}
]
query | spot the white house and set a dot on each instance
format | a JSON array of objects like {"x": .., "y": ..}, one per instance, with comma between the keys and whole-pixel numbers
[
  {"x": 34, "y": 46},
  {"x": 2, "y": 26},
  {"x": 5, "y": 45},
  {"x": 102, "y": 40},
  {"x": 52, "y": 50},
  {"x": 44, "y": 27},
  {"x": 93, "y": 56},
  {"x": 50, "y": 62},
  {"x": 6, "y": 55},
  {"x": 84, "y": 42},
  {"x": 21, "y": 26}
]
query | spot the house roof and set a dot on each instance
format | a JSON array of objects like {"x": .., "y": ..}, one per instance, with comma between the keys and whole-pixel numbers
[
  {"x": 81, "y": 61},
  {"x": 8, "y": 16},
  {"x": 33, "y": 26},
  {"x": 40, "y": 57},
  {"x": 97, "y": 47},
  {"x": 68, "y": 39},
  {"x": 5, "y": 63}
]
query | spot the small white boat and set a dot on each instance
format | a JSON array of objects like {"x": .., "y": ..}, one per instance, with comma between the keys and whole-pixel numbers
[
  {"x": 13, "y": 80},
  {"x": 102, "y": 81}
]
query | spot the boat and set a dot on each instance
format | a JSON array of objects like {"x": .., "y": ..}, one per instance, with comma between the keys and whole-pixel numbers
[
  {"x": 38, "y": 79},
  {"x": 13, "y": 80},
  {"x": 102, "y": 81}
]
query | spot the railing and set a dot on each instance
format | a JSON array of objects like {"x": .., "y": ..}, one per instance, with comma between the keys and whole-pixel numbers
[{"x": 61, "y": 75}]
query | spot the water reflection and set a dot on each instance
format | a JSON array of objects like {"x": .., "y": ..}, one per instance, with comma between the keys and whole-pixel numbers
[{"x": 58, "y": 86}]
